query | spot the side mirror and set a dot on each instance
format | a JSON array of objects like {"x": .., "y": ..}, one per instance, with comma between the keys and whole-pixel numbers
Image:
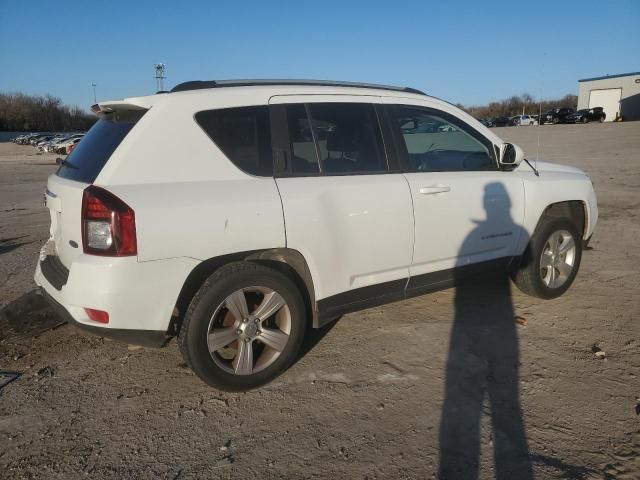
[
  {"x": 59, "y": 161},
  {"x": 510, "y": 156}
]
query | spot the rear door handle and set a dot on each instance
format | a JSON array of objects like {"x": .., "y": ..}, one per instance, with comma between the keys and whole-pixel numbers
[{"x": 433, "y": 189}]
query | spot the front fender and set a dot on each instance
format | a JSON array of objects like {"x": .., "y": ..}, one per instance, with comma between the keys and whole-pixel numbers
[{"x": 553, "y": 187}]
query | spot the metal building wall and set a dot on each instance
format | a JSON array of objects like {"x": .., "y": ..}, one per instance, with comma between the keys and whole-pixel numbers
[{"x": 629, "y": 100}]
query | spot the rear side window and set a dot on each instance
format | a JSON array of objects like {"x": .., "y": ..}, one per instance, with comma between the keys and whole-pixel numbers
[
  {"x": 303, "y": 150},
  {"x": 348, "y": 138},
  {"x": 93, "y": 151},
  {"x": 244, "y": 136}
]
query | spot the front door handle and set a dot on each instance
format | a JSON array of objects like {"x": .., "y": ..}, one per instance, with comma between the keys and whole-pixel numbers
[{"x": 433, "y": 189}]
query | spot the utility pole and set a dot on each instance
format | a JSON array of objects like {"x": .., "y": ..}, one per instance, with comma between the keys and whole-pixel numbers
[{"x": 94, "y": 93}]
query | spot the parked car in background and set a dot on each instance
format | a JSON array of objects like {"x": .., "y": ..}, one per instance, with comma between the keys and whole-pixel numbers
[
  {"x": 63, "y": 148},
  {"x": 24, "y": 139},
  {"x": 257, "y": 238},
  {"x": 501, "y": 121},
  {"x": 524, "y": 120},
  {"x": 587, "y": 115},
  {"x": 486, "y": 122},
  {"x": 556, "y": 115},
  {"x": 38, "y": 138},
  {"x": 52, "y": 146}
]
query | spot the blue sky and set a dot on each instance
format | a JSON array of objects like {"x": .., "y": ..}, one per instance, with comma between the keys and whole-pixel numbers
[{"x": 468, "y": 52}]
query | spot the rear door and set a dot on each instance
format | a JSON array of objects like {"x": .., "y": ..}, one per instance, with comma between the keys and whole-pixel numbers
[
  {"x": 65, "y": 188},
  {"x": 345, "y": 210}
]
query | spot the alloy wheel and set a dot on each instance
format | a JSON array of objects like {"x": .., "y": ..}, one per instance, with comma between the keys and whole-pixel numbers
[
  {"x": 249, "y": 330},
  {"x": 557, "y": 260}
]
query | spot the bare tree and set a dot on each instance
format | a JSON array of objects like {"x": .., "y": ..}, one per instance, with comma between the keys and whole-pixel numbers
[
  {"x": 20, "y": 112},
  {"x": 514, "y": 105}
]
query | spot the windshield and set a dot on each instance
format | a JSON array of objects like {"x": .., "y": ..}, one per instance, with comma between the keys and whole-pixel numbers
[{"x": 94, "y": 149}]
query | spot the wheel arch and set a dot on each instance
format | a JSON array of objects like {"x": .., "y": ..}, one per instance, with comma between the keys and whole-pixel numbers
[
  {"x": 576, "y": 210},
  {"x": 288, "y": 261}
]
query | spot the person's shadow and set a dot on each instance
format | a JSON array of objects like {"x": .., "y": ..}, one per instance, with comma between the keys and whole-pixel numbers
[{"x": 483, "y": 364}]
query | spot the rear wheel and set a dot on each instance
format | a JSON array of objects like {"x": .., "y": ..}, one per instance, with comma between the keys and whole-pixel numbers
[
  {"x": 551, "y": 262},
  {"x": 244, "y": 327},
  {"x": 601, "y": 119}
]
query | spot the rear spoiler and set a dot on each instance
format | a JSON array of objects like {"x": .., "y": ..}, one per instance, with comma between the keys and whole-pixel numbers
[{"x": 114, "y": 106}]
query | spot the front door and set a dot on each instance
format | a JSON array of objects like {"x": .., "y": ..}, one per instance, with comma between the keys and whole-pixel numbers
[{"x": 467, "y": 212}]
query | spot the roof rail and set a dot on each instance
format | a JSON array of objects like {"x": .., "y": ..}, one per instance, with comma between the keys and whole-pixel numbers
[{"x": 201, "y": 84}]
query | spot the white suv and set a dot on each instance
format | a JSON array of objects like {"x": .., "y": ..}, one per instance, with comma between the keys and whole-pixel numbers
[
  {"x": 525, "y": 120},
  {"x": 237, "y": 215}
]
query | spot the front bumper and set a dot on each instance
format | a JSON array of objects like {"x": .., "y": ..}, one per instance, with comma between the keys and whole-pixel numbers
[{"x": 139, "y": 296}]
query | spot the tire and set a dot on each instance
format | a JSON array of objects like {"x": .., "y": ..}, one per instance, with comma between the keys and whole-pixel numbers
[
  {"x": 532, "y": 277},
  {"x": 585, "y": 119},
  {"x": 243, "y": 356},
  {"x": 601, "y": 120},
  {"x": 555, "y": 121}
]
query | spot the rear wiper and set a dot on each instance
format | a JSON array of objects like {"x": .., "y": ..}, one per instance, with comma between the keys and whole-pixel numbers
[{"x": 66, "y": 163}]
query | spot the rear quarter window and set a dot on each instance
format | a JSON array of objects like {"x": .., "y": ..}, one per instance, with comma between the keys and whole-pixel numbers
[
  {"x": 244, "y": 136},
  {"x": 92, "y": 153}
]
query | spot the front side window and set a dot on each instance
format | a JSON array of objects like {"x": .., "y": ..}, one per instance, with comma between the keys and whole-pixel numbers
[
  {"x": 348, "y": 138},
  {"x": 244, "y": 136},
  {"x": 435, "y": 142}
]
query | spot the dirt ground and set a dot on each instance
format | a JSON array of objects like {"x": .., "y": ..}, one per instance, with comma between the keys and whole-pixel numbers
[{"x": 367, "y": 401}]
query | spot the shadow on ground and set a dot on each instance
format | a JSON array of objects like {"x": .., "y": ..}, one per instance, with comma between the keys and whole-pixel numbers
[
  {"x": 28, "y": 316},
  {"x": 9, "y": 244}
]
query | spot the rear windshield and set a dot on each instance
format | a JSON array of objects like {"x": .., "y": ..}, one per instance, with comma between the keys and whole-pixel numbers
[{"x": 93, "y": 151}]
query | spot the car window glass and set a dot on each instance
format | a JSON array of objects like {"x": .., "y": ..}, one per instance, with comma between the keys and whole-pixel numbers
[
  {"x": 89, "y": 157},
  {"x": 244, "y": 136},
  {"x": 348, "y": 138},
  {"x": 436, "y": 144},
  {"x": 303, "y": 151}
]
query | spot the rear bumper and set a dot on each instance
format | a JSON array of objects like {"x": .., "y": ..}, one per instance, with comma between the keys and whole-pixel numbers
[
  {"x": 138, "y": 296},
  {"x": 146, "y": 338}
]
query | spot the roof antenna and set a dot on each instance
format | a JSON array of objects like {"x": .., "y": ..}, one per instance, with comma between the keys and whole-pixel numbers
[
  {"x": 540, "y": 121},
  {"x": 535, "y": 162}
]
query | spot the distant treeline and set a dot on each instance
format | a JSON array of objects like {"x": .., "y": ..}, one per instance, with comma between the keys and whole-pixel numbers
[
  {"x": 513, "y": 106},
  {"x": 20, "y": 112}
]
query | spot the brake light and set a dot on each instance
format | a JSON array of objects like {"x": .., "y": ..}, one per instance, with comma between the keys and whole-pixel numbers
[{"x": 108, "y": 224}]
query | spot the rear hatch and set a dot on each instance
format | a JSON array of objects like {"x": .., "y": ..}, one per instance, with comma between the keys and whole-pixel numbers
[{"x": 79, "y": 170}]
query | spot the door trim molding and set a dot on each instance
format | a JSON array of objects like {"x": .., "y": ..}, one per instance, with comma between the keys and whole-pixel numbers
[{"x": 330, "y": 308}]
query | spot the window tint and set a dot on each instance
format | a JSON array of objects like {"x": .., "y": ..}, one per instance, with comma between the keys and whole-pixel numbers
[
  {"x": 244, "y": 136},
  {"x": 436, "y": 144},
  {"x": 92, "y": 153},
  {"x": 303, "y": 151},
  {"x": 348, "y": 138}
]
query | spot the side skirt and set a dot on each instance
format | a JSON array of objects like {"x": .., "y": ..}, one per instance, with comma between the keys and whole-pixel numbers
[{"x": 358, "y": 299}]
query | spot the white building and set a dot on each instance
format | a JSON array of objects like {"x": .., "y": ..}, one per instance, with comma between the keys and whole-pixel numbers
[{"x": 616, "y": 94}]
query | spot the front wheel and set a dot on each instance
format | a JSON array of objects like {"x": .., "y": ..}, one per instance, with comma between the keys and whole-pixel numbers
[
  {"x": 551, "y": 261},
  {"x": 244, "y": 327},
  {"x": 585, "y": 120}
]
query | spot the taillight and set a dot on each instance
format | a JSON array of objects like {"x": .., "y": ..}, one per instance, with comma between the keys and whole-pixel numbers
[{"x": 108, "y": 224}]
